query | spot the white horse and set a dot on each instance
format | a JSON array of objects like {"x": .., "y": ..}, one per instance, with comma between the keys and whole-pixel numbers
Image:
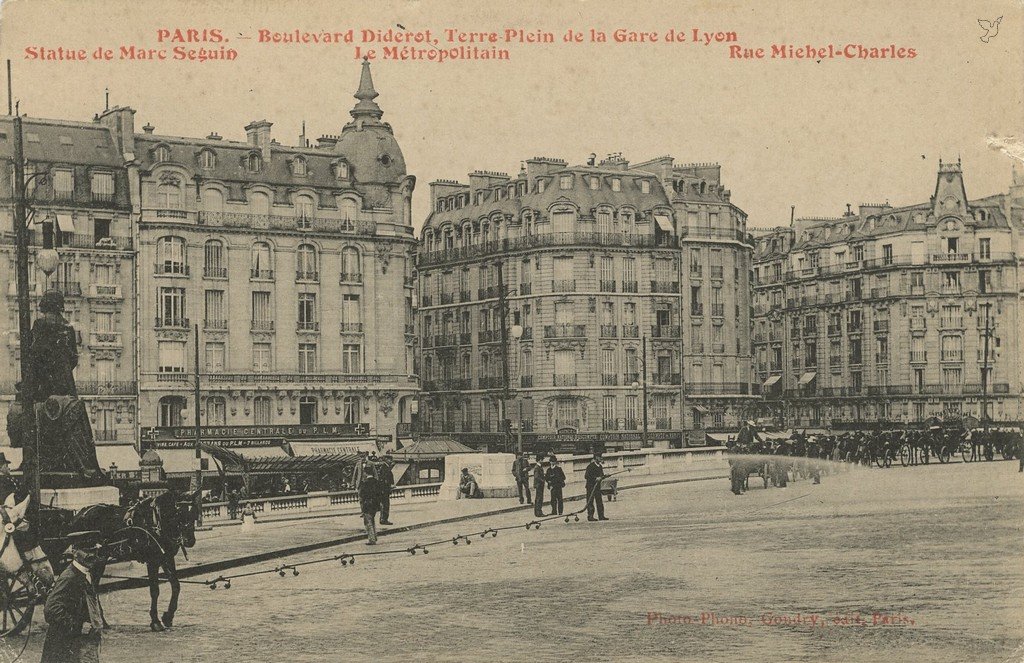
[{"x": 26, "y": 571}]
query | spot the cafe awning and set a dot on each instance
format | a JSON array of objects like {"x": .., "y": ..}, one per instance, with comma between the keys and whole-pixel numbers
[
  {"x": 331, "y": 447},
  {"x": 183, "y": 461},
  {"x": 123, "y": 455},
  {"x": 806, "y": 378},
  {"x": 771, "y": 380},
  {"x": 663, "y": 222},
  {"x": 65, "y": 223},
  {"x": 700, "y": 408}
]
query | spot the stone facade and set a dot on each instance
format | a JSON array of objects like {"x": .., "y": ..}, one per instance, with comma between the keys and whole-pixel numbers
[
  {"x": 882, "y": 314},
  {"x": 591, "y": 264}
]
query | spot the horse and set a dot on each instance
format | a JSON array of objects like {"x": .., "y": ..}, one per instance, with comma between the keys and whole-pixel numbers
[
  {"x": 151, "y": 531},
  {"x": 27, "y": 572}
]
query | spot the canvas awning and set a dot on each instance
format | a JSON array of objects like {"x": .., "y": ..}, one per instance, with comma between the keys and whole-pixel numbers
[
  {"x": 663, "y": 222},
  {"x": 398, "y": 471},
  {"x": 772, "y": 380},
  {"x": 700, "y": 408},
  {"x": 183, "y": 461},
  {"x": 806, "y": 378},
  {"x": 719, "y": 438},
  {"x": 65, "y": 223},
  {"x": 123, "y": 455},
  {"x": 260, "y": 452},
  {"x": 332, "y": 447}
]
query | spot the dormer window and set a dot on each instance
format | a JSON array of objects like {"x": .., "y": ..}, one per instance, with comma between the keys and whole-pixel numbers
[
  {"x": 645, "y": 186},
  {"x": 341, "y": 170},
  {"x": 541, "y": 184},
  {"x": 616, "y": 184},
  {"x": 207, "y": 159},
  {"x": 565, "y": 182},
  {"x": 254, "y": 163},
  {"x": 595, "y": 183},
  {"x": 162, "y": 154},
  {"x": 299, "y": 166}
]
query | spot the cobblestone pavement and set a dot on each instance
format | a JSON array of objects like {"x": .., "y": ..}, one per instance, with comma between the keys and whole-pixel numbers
[{"x": 680, "y": 572}]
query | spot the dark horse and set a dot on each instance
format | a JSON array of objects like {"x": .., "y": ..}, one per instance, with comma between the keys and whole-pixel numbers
[{"x": 151, "y": 531}]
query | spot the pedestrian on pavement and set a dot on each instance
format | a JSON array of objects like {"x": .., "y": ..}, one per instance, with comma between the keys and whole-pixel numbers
[
  {"x": 556, "y": 482},
  {"x": 232, "y": 504},
  {"x": 71, "y": 605},
  {"x": 593, "y": 476},
  {"x": 538, "y": 486},
  {"x": 467, "y": 486},
  {"x": 521, "y": 473},
  {"x": 369, "y": 504},
  {"x": 387, "y": 481}
]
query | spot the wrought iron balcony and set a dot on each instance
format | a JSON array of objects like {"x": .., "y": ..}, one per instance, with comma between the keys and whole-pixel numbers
[
  {"x": 563, "y": 285},
  {"x": 215, "y": 272},
  {"x": 564, "y": 380},
  {"x": 664, "y": 286},
  {"x": 609, "y": 331},
  {"x": 350, "y": 277},
  {"x": 172, "y": 322},
  {"x": 666, "y": 331},
  {"x": 564, "y": 331},
  {"x": 357, "y": 328}
]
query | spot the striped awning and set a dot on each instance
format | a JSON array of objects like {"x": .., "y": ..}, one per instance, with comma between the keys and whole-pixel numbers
[{"x": 806, "y": 378}]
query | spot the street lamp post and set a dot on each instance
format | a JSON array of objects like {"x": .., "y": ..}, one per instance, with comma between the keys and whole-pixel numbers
[{"x": 643, "y": 383}]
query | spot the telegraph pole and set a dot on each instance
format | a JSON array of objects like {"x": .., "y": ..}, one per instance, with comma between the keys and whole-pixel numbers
[
  {"x": 505, "y": 386},
  {"x": 643, "y": 366},
  {"x": 199, "y": 430},
  {"x": 984, "y": 370}
]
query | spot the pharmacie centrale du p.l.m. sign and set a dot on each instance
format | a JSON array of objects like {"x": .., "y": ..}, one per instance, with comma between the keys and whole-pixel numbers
[{"x": 248, "y": 436}]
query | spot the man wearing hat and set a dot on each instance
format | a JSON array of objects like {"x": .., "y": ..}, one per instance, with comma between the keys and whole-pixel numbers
[
  {"x": 7, "y": 483},
  {"x": 386, "y": 480},
  {"x": 369, "y": 503},
  {"x": 539, "y": 471},
  {"x": 556, "y": 482},
  {"x": 71, "y": 604},
  {"x": 593, "y": 475}
]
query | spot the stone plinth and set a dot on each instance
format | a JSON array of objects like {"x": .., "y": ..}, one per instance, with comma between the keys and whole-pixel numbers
[
  {"x": 78, "y": 498},
  {"x": 493, "y": 473}
]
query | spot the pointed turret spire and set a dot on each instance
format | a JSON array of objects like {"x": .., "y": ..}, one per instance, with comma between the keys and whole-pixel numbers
[{"x": 366, "y": 107}]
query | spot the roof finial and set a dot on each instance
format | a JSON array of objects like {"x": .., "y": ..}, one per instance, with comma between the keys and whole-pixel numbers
[
  {"x": 106, "y": 98},
  {"x": 366, "y": 95}
]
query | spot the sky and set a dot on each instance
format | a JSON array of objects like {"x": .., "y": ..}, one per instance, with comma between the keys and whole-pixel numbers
[{"x": 814, "y": 135}]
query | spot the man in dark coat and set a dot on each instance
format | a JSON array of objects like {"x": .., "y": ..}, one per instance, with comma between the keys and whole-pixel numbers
[
  {"x": 369, "y": 504},
  {"x": 71, "y": 604},
  {"x": 521, "y": 473},
  {"x": 593, "y": 475},
  {"x": 387, "y": 480},
  {"x": 555, "y": 478},
  {"x": 7, "y": 483},
  {"x": 538, "y": 486}
]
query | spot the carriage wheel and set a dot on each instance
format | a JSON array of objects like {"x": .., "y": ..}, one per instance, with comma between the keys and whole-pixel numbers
[
  {"x": 879, "y": 459},
  {"x": 888, "y": 458},
  {"x": 943, "y": 454},
  {"x": 904, "y": 455},
  {"x": 1007, "y": 452},
  {"x": 965, "y": 452},
  {"x": 17, "y": 603}
]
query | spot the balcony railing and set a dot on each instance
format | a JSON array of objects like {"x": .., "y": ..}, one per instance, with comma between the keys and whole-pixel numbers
[
  {"x": 564, "y": 331},
  {"x": 491, "y": 382},
  {"x": 163, "y": 322},
  {"x": 630, "y": 331},
  {"x": 950, "y": 257},
  {"x": 696, "y": 309},
  {"x": 881, "y": 326},
  {"x": 467, "y": 296},
  {"x": 607, "y": 286},
  {"x": 564, "y": 380},
  {"x": 918, "y": 356},
  {"x": 268, "y": 377},
  {"x": 112, "y": 388},
  {"x": 567, "y": 423},
  {"x": 664, "y": 286},
  {"x": 835, "y": 330},
  {"x": 666, "y": 331},
  {"x": 447, "y": 298},
  {"x": 66, "y": 288},
  {"x": 215, "y": 272},
  {"x": 307, "y": 326},
  {"x": 609, "y": 331},
  {"x": 629, "y": 378},
  {"x": 722, "y": 388},
  {"x": 629, "y": 286},
  {"x": 215, "y": 324},
  {"x": 280, "y": 222},
  {"x": 307, "y": 275},
  {"x": 537, "y": 241},
  {"x": 952, "y": 355},
  {"x": 881, "y": 358},
  {"x": 717, "y": 310},
  {"x": 445, "y": 340},
  {"x": 952, "y": 323},
  {"x": 262, "y": 325},
  {"x": 526, "y": 381},
  {"x": 488, "y": 292},
  {"x": 918, "y": 324},
  {"x": 353, "y": 328},
  {"x": 175, "y": 268},
  {"x": 262, "y": 274},
  {"x": 609, "y": 380},
  {"x": 350, "y": 277},
  {"x": 666, "y": 378},
  {"x": 662, "y": 423},
  {"x": 717, "y": 272},
  {"x": 563, "y": 285},
  {"x": 105, "y": 339}
]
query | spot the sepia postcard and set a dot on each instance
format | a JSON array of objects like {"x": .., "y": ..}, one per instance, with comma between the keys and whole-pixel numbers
[{"x": 562, "y": 330}]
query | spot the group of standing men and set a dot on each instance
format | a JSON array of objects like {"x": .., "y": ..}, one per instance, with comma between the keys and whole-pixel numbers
[
  {"x": 546, "y": 472},
  {"x": 375, "y": 481}
]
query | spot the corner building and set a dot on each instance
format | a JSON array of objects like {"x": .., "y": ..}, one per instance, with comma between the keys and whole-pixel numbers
[
  {"x": 881, "y": 315},
  {"x": 588, "y": 265},
  {"x": 294, "y": 262}
]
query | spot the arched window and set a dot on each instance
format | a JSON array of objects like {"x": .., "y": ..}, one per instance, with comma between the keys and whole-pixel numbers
[
  {"x": 254, "y": 163},
  {"x": 214, "y": 264},
  {"x": 262, "y": 411},
  {"x": 216, "y": 411},
  {"x": 351, "y": 270},
  {"x": 349, "y": 209},
  {"x": 604, "y": 220},
  {"x": 171, "y": 411},
  {"x": 162, "y": 154},
  {"x": 307, "y": 266},
  {"x": 207, "y": 160},
  {"x": 350, "y": 410},
  {"x": 261, "y": 267},
  {"x": 213, "y": 201},
  {"x": 307, "y": 410},
  {"x": 170, "y": 252},
  {"x": 304, "y": 211},
  {"x": 260, "y": 203},
  {"x": 168, "y": 196}
]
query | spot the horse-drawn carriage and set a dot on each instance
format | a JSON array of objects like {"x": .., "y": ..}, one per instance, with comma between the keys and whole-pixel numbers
[{"x": 151, "y": 531}]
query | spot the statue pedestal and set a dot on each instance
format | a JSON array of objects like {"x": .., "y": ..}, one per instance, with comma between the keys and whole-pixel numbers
[
  {"x": 493, "y": 474},
  {"x": 78, "y": 498}
]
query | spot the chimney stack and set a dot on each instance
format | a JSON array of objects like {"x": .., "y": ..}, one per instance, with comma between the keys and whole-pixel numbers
[{"x": 258, "y": 134}]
